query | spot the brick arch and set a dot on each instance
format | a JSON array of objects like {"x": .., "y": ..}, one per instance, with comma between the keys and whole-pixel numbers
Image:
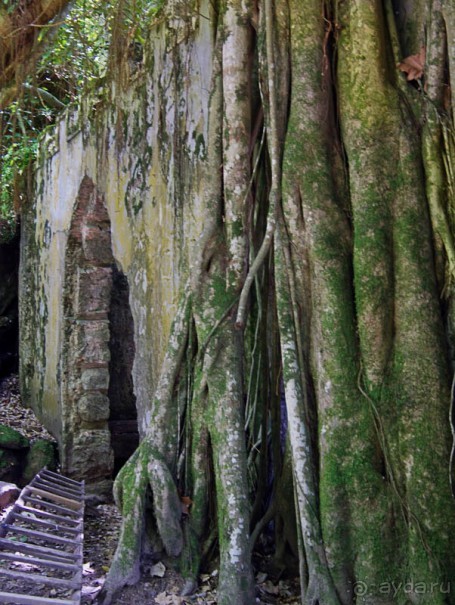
[{"x": 90, "y": 280}]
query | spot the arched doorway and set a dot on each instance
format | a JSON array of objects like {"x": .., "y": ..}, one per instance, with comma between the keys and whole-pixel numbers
[
  {"x": 122, "y": 400},
  {"x": 98, "y": 350}
]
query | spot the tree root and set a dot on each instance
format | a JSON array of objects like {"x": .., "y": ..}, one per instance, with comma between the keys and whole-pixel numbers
[{"x": 146, "y": 469}]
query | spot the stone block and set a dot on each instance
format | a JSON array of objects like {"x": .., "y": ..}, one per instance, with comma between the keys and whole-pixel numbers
[
  {"x": 96, "y": 330},
  {"x": 8, "y": 493},
  {"x": 95, "y": 379},
  {"x": 92, "y": 456},
  {"x": 93, "y": 407},
  {"x": 94, "y": 294},
  {"x": 96, "y": 244},
  {"x": 97, "y": 211},
  {"x": 92, "y": 341}
]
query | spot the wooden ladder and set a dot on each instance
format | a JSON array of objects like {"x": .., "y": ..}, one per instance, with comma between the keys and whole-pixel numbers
[{"x": 41, "y": 543}]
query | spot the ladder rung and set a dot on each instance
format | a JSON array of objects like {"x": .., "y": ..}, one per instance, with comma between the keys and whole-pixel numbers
[
  {"x": 23, "y": 599},
  {"x": 68, "y": 503},
  {"x": 46, "y": 524},
  {"x": 47, "y": 515},
  {"x": 9, "y": 556},
  {"x": 40, "y": 535},
  {"x": 57, "y": 519},
  {"x": 40, "y": 579},
  {"x": 51, "y": 505},
  {"x": 58, "y": 477},
  {"x": 52, "y": 554},
  {"x": 56, "y": 488}
]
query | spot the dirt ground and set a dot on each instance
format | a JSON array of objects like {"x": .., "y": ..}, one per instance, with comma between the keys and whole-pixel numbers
[
  {"x": 101, "y": 534},
  {"x": 158, "y": 585}
]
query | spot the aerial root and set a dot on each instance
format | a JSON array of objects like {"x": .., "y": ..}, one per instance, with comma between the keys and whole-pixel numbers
[{"x": 146, "y": 470}]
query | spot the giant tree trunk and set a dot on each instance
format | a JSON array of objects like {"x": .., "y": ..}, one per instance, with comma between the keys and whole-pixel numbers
[{"x": 326, "y": 258}]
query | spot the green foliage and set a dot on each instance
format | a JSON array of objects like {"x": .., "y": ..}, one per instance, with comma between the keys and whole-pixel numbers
[
  {"x": 8, "y": 6},
  {"x": 77, "y": 54},
  {"x": 18, "y": 145},
  {"x": 13, "y": 165},
  {"x": 129, "y": 11},
  {"x": 75, "y": 58}
]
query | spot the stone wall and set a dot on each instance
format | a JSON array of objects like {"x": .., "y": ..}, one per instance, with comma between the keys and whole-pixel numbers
[
  {"x": 106, "y": 203},
  {"x": 85, "y": 360}
]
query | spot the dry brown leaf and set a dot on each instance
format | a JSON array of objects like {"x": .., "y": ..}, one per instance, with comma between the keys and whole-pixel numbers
[
  {"x": 90, "y": 591},
  {"x": 158, "y": 570},
  {"x": 186, "y": 504},
  {"x": 87, "y": 569},
  {"x": 25, "y": 566},
  {"x": 413, "y": 66}
]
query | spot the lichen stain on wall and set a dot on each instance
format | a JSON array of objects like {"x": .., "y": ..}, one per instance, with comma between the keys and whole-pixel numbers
[
  {"x": 143, "y": 148},
  {"x": 58, "y": 182}
]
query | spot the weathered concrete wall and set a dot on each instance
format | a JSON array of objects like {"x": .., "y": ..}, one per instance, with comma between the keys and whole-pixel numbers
[{"x": 118, "y": 156}]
